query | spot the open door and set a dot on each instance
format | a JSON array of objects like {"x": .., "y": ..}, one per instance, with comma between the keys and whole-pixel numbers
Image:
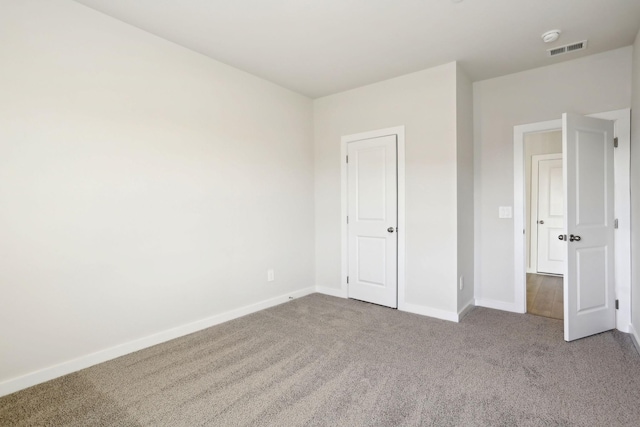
[{"x": 589, "y": 292}]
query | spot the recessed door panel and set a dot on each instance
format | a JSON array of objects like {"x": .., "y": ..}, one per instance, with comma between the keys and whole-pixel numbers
[
  {"x": 556, "y": 190},
  {"x": 370, "y": 183},
  {"x": 555, "y": 249},
  {"x": 372, "y": 254},
  {"x": 591, "y": 271},
  {"x": 591, "y": 182}
]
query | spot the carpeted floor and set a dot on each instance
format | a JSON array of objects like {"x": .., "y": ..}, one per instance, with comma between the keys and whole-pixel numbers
[{"x": 321, "y": 360}]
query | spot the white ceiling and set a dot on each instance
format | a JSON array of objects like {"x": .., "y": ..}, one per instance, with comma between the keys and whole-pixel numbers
[{"x": 320, "y": 47}]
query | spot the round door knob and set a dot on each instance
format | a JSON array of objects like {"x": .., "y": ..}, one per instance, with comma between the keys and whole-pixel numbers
[
  {"x": 573, "y": 238},
  {"x": 390, "y": 229},
  {"x": 541, "y": 222},
  {"x": 560, "y": 237}
]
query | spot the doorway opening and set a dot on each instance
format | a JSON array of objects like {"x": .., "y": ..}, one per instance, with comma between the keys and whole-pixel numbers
[
  {"x": 586, "y": 253},
  {"x": 544, "y": 207}
]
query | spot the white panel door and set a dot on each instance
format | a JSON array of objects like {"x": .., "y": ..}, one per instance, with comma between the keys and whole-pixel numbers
[
  {"x": 550, "y": 215},
  {"x": 589, "y": 299},
  {"x": 372, "y": 214}
]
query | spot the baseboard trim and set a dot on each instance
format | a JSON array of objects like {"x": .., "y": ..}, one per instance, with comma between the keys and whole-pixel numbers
[
  {"x": 19, "y": 383},
  {"x": 634, "y": 337},
  {"x": 466, "y": 310},
  {"x": 428, "y": 311},
  {"x": 340, "y": 293},
  {"x": 498, "y": 305}
]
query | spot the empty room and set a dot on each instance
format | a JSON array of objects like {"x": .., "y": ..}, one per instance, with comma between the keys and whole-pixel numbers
[{"x": 286, "y": 213}]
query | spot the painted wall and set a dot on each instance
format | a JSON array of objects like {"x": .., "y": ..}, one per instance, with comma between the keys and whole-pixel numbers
[
  {"x": 142, "y": 186},
  {"x": 535, "y": 144},
  {"x": 465, "y": 201},
  {"x": 587, "y": 85},
  {"x": 425, "y": 103},
  {"x": 635, "y": 191}
]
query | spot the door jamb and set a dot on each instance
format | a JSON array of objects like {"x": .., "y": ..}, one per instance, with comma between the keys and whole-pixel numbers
[
  {"x": 400, "y": 159},
  {"x": 622, "y": 211}
]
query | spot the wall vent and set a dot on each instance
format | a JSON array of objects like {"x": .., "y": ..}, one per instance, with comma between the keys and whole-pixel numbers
[{"x": 561, "y": 50}]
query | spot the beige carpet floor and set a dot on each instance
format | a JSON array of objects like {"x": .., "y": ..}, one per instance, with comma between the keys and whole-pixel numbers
[{"x": 320, "y": 360}]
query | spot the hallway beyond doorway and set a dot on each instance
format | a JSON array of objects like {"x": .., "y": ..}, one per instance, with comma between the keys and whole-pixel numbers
[{"x": 545, "y": 295}]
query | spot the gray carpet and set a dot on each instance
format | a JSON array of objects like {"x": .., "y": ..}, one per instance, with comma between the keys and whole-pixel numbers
[{"x": 321, "y": 360}]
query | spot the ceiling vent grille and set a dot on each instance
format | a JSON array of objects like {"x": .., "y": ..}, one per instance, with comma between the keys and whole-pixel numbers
[{"x": 561, "y": 50}]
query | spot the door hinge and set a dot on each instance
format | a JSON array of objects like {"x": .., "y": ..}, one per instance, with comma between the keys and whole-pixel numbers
[
  {"x": 617, "y": 304},
  {"x": 347, "y": 280},
  {"x": 348, "y": 220},
  {"x": 615, "y": 142},
  {"x": 347, "y": 159},
  {"x": 615, "y": 223}
]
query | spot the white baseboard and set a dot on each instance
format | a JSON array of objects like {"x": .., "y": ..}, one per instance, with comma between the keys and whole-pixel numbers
[
  {"x": 634, "y": 337},
  {"x": 428, "y": 311},
  {"x": 498, "y": 305},
  {"x": 15, "y": 384},
  {"x": 466, "y": 310},
  {"x": 334, "y": 292}
]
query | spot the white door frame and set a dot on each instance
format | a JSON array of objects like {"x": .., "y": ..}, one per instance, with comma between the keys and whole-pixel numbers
[
  {"x": 399, "y": 132},
  {"x": 622, "y": 211},
  {"x": 533, "y": 220}
]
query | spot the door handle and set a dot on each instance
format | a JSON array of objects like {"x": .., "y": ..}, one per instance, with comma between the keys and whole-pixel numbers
[
  {"x": 541, "y": 222},
  {"x": 562, "y": 237},
  {"x": 390, "y": 229},
  {"x": 574, "y": 238}
]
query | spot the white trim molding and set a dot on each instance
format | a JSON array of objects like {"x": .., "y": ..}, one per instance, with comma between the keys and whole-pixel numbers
[
  {"x": 431, "y": 312},
  {"x": 634, "y": 337},
  {"x": 334, "y": 292},
  {"x": 15, "y": 384},
  {"x": 399, "y": 132},
  {"x": 498, "y": 305},
  {"x": 468, "y": 308}
]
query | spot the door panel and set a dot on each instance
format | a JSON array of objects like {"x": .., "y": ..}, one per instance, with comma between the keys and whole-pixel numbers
[
  {"x": 589, "y": 295},
  {"x": 550, "y": 215},
  {"x": 372, "y": 210}
]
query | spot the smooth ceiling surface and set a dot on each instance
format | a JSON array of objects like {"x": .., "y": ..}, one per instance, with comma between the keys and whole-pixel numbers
[{"x": 320, "y": 47}]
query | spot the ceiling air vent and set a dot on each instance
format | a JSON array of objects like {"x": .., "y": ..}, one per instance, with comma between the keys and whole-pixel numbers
[{"x": 561, "y": 50}]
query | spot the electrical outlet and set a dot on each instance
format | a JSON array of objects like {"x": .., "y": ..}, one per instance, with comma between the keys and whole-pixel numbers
[
  {"x": 461, "y": 282},
  {"x": 270, "y": 275}
]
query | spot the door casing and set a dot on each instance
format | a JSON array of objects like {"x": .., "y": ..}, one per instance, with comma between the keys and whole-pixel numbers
[
  {"x": 622, "y": 211},
  {"x": 399, "y": 132}
]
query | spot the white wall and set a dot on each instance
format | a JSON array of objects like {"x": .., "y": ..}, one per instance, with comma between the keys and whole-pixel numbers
[
  {"x": 635, "y": 192},
  {"x": 425, "y": 103},
  {"x": 587, "y": 85},
  {"x": 535, "y": 144},
  {"x": 464, "y": 134},
  {"x": 142, "y": 186}
]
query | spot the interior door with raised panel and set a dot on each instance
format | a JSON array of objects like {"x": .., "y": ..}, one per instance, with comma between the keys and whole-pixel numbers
[
  {"x": 372, "y": 215},
  {"x": 550, "y": 257},
  {"x": 589, "y": 288}
]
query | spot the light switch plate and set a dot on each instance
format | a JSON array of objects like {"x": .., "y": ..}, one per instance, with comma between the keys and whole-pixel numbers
[{"x": 505, "y": 212}]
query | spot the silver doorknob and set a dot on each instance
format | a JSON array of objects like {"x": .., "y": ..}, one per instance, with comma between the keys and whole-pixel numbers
[
  {"x": 574, "y": 238},
  {"x": 541, "y": 222},
  {"x": 390, "y": 229},
  {"x": 560, "y": 236}
]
